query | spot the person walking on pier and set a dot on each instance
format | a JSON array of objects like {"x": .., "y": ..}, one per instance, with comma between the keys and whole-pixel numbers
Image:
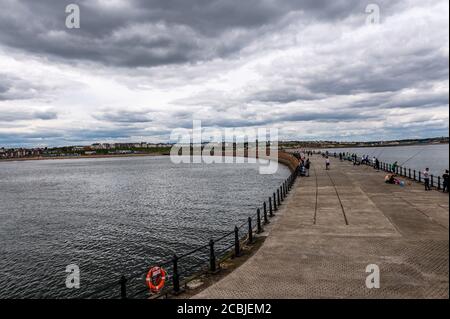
[
  {"x": 377, "y": 164},
  {"x": 426, "y": 178},
  {"x": 327, "y": 163},
  {"x": 445, "y": 181},
  {"x": 307, "y": 166}
]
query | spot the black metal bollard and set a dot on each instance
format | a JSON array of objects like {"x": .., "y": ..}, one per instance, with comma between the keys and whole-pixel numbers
[
  {"x": 420, "y": 176},
  {"x": 439, "y": 183},
  {"x": 123, "y": 287},
  {"x": 409, "y": 173},
  {"x": 278, "y": 197},
  {"x": 275, "y": 208},
  {"x": 237, "y": 247},
  {"x": 414, "y": 174},
  {"x": 270, "y": 207},
  {"x": 176, "y": 276},
  {"x": 266, "y": 220},
  {"x": 250, "y": 231},
  {"x": 258, "y": 221},
  {"x": 212, "y": 256}
]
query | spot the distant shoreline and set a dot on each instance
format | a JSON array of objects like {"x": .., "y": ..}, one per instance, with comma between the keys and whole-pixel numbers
[
  {"x": 390, "y": 145},
  {"x": 42, "y": 158}
]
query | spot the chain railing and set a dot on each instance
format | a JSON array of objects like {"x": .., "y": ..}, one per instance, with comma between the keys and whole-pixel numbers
[{"x": 180, "y": 271}]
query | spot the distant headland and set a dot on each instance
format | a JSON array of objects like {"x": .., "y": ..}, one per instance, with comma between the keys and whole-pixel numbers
[{"x": 337, "y": 144}]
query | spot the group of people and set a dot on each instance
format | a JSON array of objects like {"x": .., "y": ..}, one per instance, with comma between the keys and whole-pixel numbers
[
  {"x": 304, "y": 166},
  {"x": 427, "y": 177},
  {"x": 391, "y": 178}
]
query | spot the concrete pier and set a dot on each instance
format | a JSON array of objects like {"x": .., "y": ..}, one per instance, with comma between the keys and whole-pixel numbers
[{"x": 333, "y": 225}]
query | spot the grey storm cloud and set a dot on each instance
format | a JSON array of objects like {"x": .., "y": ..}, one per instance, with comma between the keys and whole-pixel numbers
[
  {"x": 305, "y": 66},
  {"x": 13, "y": 116},
  {"x": 15, "y": 88},
  {"x": 72, "y": 136},
  {"x": 123, "y": 116},
  {"x": 154, "y": 32},
  {"x": 381, "y": 75}
]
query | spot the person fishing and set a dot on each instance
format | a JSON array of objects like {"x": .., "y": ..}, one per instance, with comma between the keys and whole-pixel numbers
[
  {"x": 445, "y": 181},
  {"x": 394, "y": 166},
  {"x": 377, "y": 164},
  {"x": 426, "y": 178}
]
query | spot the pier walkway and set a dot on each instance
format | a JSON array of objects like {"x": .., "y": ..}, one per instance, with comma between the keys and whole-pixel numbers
[{"x": 335, "y": 223}]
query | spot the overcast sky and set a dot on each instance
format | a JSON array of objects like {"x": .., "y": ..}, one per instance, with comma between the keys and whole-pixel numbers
[{"x": 136, "y": 69}]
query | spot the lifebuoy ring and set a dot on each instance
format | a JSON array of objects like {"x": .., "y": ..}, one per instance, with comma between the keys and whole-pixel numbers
[{"x": 156, "y": 278}]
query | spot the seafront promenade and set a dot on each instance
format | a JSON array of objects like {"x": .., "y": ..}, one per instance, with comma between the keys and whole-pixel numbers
[{"x": 333, "y": 225}]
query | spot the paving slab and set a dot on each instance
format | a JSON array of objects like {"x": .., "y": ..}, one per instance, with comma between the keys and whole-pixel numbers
[{"x": 333, "y": 225}]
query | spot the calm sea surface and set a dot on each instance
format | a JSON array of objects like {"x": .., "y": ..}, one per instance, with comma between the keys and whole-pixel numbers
[
  {"x": 114, "y": 216},
  {"x": 416, "y": 157}
]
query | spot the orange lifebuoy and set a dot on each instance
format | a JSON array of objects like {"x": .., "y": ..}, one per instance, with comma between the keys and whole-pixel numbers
[{"x": 156, "y": 278}]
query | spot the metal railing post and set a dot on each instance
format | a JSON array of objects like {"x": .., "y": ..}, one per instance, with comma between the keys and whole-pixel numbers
[
  {"x": 409, "y": 173},
  {"x": 175, "y": 276},
  {"x": 258, "y": 221},
  {"x": 275, "y": 208},
  {"x": 237, "y": 246},
  {"x": 270, "y": 207},
  {"x": 250, "y": 230},
  {"x": 278, "y": 197},
  {"x": 414, "y": 174},
  {"x": 212, "y": 256},
  {"x": 439, "y": 183},
  {"x": 266, "y": 220}
]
